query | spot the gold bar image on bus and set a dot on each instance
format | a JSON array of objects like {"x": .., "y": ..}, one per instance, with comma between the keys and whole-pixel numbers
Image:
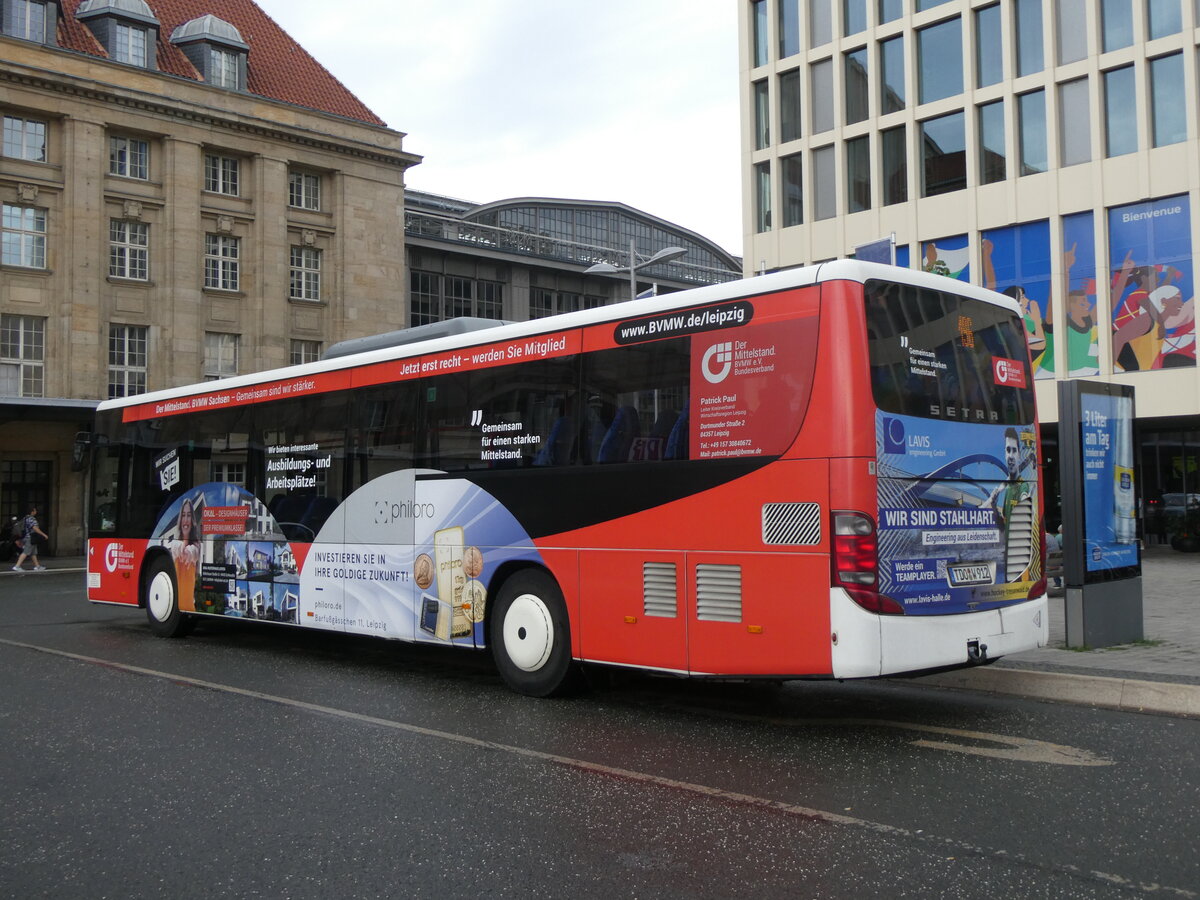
[{"x": 448, "y": 550}]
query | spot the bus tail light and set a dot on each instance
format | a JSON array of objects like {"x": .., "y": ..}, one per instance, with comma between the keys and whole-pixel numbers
[{"x": 856, "y": 563}]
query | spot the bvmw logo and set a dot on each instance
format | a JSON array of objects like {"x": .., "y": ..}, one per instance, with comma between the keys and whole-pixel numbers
[{"x": 722, "y": 355}]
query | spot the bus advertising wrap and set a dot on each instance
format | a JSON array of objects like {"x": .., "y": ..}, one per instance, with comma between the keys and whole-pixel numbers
[
  {"x": 401, "y": 557},
  {"x": 957, "y": 527}
]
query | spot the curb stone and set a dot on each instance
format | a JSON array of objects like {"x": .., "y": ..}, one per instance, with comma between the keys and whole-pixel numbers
[{"x": 1125, "y": 694}]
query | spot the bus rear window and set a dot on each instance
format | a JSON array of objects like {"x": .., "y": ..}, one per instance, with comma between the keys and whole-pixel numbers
[{"x": 938, "y": 355}]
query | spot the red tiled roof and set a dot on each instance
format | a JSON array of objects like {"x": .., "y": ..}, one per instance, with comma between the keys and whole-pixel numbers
[{"x": 278, "y": 67}]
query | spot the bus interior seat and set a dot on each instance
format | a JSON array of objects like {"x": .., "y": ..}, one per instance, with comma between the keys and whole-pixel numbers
[
  {"x": 624, "y": 428},
  {"x": 594, "y": 434},
  {"x": 320, "y": 509},
  {"x": 664, "y": 424},
  {"x": 677, "y": 440},
  {"x": 289, "y": 507},
  {"x": 559, "y": 449}
]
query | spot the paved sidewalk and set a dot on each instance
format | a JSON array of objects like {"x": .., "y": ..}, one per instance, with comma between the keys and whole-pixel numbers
[{"x": 1159, "y": 675}]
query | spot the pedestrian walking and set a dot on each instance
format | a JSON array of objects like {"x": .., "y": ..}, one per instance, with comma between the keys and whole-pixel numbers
[{"x": 29, "y": 527}]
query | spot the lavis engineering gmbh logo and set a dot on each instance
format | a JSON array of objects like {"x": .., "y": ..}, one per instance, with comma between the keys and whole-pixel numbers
[
  {"x": 893, "y": 436},
  {"x": 722, "y": 355}
]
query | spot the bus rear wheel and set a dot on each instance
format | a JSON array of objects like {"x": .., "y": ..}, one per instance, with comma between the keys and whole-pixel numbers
[
  {"x": 161, "y": 599},
  {"x": 530, "y": 636}
]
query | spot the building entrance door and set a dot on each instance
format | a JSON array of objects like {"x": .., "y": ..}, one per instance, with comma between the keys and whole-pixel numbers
[{"x": 26, "y": 482}]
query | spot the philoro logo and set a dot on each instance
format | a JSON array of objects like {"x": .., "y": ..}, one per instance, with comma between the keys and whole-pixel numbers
[
  {"x": 1008, "y": 372},
  {"x": 722, "y": 354}
]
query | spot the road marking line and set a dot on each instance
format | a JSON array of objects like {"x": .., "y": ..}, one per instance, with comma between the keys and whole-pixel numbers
[
  {"x": 1018, "y": 749},
  {"x": 751, "y": 800}
]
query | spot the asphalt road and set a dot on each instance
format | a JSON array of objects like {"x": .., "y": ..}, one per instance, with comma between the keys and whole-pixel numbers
[{"x": 262, "y": 761}]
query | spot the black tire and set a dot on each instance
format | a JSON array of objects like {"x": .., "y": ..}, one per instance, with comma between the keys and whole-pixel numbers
[
  {"x": 160, "y": 596},
  {"x": 530, "y": 636}
]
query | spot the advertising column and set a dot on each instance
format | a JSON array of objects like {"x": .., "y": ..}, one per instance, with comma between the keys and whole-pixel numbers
[{"x": 1101, "y": 552}]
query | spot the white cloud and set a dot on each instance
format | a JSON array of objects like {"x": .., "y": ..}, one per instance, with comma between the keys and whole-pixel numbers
[{"x": 627, "y": 100}]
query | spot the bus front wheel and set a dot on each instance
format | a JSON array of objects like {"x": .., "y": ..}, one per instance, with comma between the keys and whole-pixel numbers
[
  {"x": 162, "y": 600},
  {"x": 530, "y": 636}
]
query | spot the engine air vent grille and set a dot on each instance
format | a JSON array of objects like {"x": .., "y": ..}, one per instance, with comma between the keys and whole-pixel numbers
[
  {"x": 719, "y": 593},
  {"x": 660, "y": 589},
  {"x": 791, "y": 523}
]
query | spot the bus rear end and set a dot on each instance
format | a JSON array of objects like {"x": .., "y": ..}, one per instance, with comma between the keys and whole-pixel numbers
[{"x": 943, "y": 566}]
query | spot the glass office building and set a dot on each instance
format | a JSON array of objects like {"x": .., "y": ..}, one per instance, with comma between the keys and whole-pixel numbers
[{"x": 1045, "y": 149}]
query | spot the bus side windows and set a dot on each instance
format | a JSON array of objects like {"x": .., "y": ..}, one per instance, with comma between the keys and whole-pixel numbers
[
  {"x": 528, "y": 414},
  {"x": 637, "y": 398}
]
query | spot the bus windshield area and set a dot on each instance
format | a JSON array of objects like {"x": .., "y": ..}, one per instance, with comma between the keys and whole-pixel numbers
[{"x": 938, "y": 355}]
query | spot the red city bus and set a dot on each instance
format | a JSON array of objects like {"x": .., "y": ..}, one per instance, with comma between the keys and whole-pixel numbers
[{"x": 826, "y": 472}]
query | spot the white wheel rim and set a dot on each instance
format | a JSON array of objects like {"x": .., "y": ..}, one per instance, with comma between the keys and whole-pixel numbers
[
  {"x": 160, "y": 598},
  {"x": 528, "y": 633}
]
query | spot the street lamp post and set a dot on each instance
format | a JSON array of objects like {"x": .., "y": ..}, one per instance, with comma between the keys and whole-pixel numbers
[{"x": 664, "y": 255}]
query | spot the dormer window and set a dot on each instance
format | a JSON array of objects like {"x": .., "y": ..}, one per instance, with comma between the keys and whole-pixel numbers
[
  {"x": 127, "y": 29},
  {"x": 30, "y": 20},
  {"x": 129, "y": 44},
  {"x": 216, "y": 49}
]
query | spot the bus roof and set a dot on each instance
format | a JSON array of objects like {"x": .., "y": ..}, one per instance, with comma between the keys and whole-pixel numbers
[{"x": 787, "y": 279}]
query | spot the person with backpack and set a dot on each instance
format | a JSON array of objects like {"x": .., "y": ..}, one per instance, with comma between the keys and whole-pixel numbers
[{"x": 29, "y": 528}]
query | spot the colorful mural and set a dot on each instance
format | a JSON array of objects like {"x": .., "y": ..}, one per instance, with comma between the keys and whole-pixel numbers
[
  {"x": 1016, "y": 262},
  {"x": 1150, "y": 263}
]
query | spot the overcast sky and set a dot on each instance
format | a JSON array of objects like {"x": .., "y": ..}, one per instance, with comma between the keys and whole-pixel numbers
[{"x": 626, "y": 100}]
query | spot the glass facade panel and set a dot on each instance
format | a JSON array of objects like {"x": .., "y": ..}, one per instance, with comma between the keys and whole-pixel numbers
[
  {"x": 1168, "y": 103},
  {"x": 1071, "y": 26},
  {"x": 856, "y": 87},
  {"x": 822, "y": 96},
  {"x": 790, "y": 122},
  {"x": 939, "y": 61},
  {"x": 759, "y": 18},
  {"x": 891, "y": 75},
  {"x": 789, "y": 28},
  {"x": 1116, "y": 24},
  {"x": 929, "y": 4},
  {"x": 1030, "y": 57},
  {"x": 854, "y": 16},
  {"x": 858, "y": 174},
  {"x": 762, "y": 122},
  {"x": 1031, "y": 128},
  {"x": 824, "y": 185},
  {"x": 762, "y": 197},
  {"x": 1120, "y": 112},
  {"x": 992, "y": 153},
  {"x": 943, "y": 141},
  {"x": 792, "y": 182},
  {"x": 890, "y": 10},
  {"x": 989, "y": 50},
  {"x": 1074, "y": 122},
  {"x": 894, "y": 170},
  {"x": 1163, "y": 18},
  {"x": 820, "y": 22}
]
